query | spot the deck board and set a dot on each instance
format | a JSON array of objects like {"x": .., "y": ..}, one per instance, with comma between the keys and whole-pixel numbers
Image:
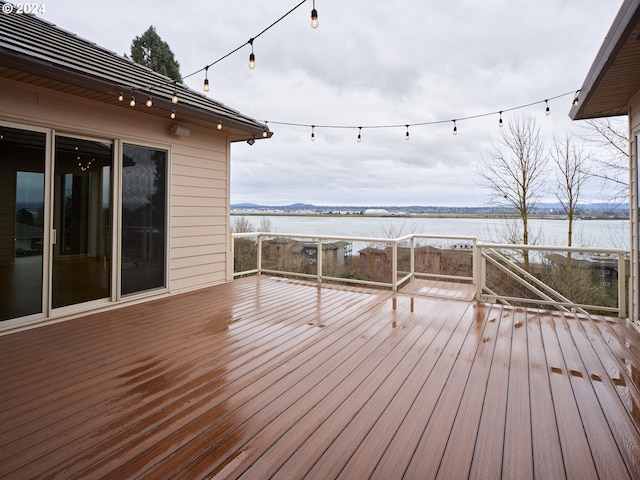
[{"x": 276, "y": 378}]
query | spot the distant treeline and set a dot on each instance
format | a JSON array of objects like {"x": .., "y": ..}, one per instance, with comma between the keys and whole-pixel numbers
[{"x": 597, "y": 210}]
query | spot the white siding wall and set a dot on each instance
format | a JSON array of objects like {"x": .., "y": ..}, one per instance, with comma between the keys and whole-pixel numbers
[{"x": 199, "y": 169}]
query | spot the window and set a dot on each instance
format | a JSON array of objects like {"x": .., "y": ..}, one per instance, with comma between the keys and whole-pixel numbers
[{"x": 144, "y": 208}]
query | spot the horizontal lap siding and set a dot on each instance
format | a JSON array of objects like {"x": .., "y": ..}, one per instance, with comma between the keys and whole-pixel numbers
[
  {"x": 634, "y": 122},
  {"x": 199, "y": 213}
]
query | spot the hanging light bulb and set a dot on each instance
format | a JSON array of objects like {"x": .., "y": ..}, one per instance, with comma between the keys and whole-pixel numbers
[
  {"x": 314, "y": 16},
  {"x": 149, "y": 102},
  {"x": 313, "y": 135},
  {"x": 173, "y": 114},
  {"x": 120, "y": 97},
  {"x": 219, "y": 125},
  {"x": 548, "y": 112},
  {"x": 206, "y": 78},
  {"x": 132, "y": 102},
  {"x": 264, "y": 133},
  {"x": 252, "y": 57},
  {"x": 174, "y": 98},
  {"x": 359, "y": 139},
  {"x": 455, "y": 128},
  {"x": 576, "y": 101},
  {"x": 406, "y": 137},
  {"x": 500, "y": 121}
]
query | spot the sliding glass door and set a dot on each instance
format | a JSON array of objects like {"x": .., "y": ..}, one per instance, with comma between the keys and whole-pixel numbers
[
  {"x": 62, "y": 201},
  {"x": 22, "y": 213},
  {"x": 82, "y": 221}
]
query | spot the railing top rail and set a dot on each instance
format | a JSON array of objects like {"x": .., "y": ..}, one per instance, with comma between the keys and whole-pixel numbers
[
  {"x": 317, "y": 237},
  {"x": 511, "y": 246},
  {"x": 355, "y": 239},
  {"x": 443, "y": 237}
]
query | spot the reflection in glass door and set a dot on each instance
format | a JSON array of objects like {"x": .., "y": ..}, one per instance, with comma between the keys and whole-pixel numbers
[
  {"x": 22, "y": 167},
  {"x": 82, "y": 213}
]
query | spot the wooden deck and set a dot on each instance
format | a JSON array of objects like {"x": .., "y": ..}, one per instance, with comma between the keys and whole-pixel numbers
[{"x": 271, "y": 378}]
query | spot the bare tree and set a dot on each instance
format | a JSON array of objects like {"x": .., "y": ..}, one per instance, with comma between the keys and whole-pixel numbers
[
  {"x": 572, "y": 173},
  {"x": 513, "y": 170},
  {"x": 611, "y": 140},
  {"x": 265, "y": 225},
  {"x": 242, "y": 225}
]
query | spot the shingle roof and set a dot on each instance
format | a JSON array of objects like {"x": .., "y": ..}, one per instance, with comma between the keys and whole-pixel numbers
[{"x": 35, "y": 51}]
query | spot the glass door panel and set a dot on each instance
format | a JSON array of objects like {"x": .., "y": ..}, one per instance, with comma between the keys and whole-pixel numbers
[
  {"x": 22, "y": 164},
  {"x": 82, "y": 217},
  {"x": 144, "y": 204}
]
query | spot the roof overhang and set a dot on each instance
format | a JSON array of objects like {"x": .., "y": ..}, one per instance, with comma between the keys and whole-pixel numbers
[
  {"x": 43, "y": 74},
  {"x": 614, "y": 77},
  {"x": 35, "y": 52}
]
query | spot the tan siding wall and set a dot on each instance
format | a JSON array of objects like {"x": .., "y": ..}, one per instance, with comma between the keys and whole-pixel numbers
[{"x": 198, "y": 218}]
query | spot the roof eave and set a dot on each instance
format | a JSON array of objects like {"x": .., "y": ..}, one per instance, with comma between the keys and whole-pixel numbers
[
  {"x": 625, "y": 21},
  {"x": 235, "y": 129}
]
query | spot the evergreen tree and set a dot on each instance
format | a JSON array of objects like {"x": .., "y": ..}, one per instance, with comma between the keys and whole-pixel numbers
[{"x": 151, "y": 51}]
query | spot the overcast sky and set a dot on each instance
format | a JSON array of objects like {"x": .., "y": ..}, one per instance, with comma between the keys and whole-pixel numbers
[{"x": 369, "y": 63}]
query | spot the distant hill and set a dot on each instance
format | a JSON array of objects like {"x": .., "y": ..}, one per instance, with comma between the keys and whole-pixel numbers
[{"x": 594, "y": 210}]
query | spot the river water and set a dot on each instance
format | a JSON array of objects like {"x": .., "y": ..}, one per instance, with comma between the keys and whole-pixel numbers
[{"x": 587, "y": 233}]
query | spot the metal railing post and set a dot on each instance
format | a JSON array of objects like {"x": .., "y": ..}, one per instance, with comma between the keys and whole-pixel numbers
[
  {"x": 412, "y": 261},
  {"x": 259, "y": 255},
  {"x": 319, "y": 261},
  {"x": 622, "y": 281},
  {"x": 394, "y": 266},
  {"x": 478, "y": 269}
]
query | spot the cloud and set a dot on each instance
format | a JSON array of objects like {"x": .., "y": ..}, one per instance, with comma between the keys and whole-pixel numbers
[{"x": 368, "y": 64}]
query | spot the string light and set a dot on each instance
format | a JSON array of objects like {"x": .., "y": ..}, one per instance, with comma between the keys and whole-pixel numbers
[
  {"x": 149, "y": 102},
  {"x": 435, "y": 122},
  {"x": 175, "y": 100},
  {"x": 313, "y": 135},
  {"x": 173, "y": 114},
  {"x": 174, "y": 97},
  {"x": 314, "y": 16},
  {"x": 252, "y": 57}
]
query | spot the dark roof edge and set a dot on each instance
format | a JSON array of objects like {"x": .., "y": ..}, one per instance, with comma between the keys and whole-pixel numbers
[{"x": 624, "y": 22}]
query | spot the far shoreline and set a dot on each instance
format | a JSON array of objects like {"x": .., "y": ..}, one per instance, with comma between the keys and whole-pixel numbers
[{"x": 422, "y": 215}]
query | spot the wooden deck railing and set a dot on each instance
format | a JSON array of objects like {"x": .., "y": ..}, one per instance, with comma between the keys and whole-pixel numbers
[{"x": 563, "y": 278}]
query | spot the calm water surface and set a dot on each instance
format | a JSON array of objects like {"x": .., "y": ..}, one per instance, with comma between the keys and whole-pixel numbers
[{"x": 588, "y": 233}]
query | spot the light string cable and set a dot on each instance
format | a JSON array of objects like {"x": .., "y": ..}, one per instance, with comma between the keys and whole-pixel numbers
[
  {"x": 248, "y": 42},
  {"x": 174, "y": 97},
  {"x": 406, "y": 126}
]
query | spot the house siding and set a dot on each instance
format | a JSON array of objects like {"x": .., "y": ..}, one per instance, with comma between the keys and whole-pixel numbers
[
  {"x": 199, "y": 226},
  {"x": 634, "y": 287}
]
